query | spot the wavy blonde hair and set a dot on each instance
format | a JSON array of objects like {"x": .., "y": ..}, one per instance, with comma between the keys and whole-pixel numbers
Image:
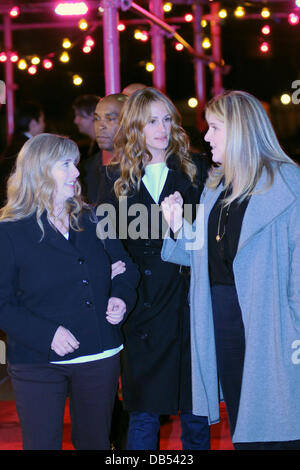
[
  {"x": 250, "y": 144},
  {"x": 130, "y": 146},
  {"x": 31, "y": 186}
]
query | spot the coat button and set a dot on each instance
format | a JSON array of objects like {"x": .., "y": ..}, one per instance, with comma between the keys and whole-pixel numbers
[
  {"x": 88, "y": 303},
  {"x": 148, "y": 272},
  {"x": 147, "y": 304},
  {"x": 85, "y": 282},
  {"x": 80, "y": 260}
]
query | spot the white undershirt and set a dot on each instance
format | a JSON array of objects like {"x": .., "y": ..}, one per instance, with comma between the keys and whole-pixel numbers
[
  {"x": 90, "y": 357},
  {"x": 154, "y": 178}
]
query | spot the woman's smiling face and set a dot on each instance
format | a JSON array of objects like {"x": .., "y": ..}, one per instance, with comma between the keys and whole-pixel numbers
[{"x": 65, "y": 174}]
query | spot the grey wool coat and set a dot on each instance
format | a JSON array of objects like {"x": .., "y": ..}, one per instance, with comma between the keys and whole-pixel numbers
[{"x": 267, "y": 277}]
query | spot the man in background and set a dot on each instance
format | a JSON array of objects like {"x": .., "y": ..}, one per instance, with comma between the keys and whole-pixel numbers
[
  {"x": 106, "y": 123},
  {"x": 91, "y": 157},
  {"x": 84, "y": 107},
  {"x": 29, "y": 121},
  {"x": 132, "y": 87}
]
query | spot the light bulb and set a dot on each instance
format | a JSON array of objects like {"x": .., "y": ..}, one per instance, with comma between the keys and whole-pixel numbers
[
  {"x": 77, "y": 80},
  {"x": 193, "y": 102}
]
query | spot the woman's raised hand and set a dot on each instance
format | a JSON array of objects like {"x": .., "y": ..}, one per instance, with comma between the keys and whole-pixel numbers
[{"x": 172, "y": 208}]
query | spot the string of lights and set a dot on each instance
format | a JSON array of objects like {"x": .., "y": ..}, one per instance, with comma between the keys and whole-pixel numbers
[
  {"x": 87, "y": 16},
  {"x": 32, "y": 63}
]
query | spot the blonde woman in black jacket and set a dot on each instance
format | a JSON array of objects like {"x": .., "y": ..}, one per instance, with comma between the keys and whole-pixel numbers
[{"x": 58, "y": 305}]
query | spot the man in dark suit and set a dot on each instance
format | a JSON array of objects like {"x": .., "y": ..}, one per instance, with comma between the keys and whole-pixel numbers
[
  {"x": 84, "y": 107},
  {"x": 106, "y": 123},
  {"x": 91, "y": 157}
]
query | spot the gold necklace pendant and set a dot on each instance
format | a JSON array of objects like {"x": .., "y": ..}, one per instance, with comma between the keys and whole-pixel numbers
[{"x": 218, "y": 236}]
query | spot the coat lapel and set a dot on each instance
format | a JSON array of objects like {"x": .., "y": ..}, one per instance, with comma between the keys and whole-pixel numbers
[
  {"x": 274, "y": 201},
  {"x": 55, "y": 238},
  {"x": 175, "y": 182},
  {"x": 81, "y": 241},
  {"x": 265, "y": 206},
  {"x": 78, "y": 242},
  {"x": 209, "y": 198}
]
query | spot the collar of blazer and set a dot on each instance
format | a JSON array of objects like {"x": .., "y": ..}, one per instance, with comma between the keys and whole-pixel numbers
[
  {"x": 79, "y": 242},
  {"x": 176, "y": 178}
]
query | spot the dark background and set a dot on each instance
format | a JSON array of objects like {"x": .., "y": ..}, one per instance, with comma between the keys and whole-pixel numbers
[{"x": 266, "y": 76}]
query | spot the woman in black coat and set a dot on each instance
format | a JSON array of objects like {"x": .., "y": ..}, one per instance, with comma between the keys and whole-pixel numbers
[
  {"x": 152, "y": 160},
  {"x": 58, "y": 305}
]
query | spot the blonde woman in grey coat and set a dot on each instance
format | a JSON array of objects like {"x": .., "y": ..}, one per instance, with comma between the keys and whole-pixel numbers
[{"x": 244, "y": 253}]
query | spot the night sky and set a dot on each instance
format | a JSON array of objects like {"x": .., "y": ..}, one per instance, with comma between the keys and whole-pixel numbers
[{"x": 265, "y": 76}]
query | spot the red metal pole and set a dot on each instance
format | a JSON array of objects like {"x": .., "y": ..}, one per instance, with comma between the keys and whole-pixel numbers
[
  {"x": 9, "y": 78},
  {"x": 199, "y": 68},
  {"x": 205, "y": 58},
  {"x": 111, "y": 47},
  {"x": 158, "y": 47},
  {"x": 216, "y": 48}
]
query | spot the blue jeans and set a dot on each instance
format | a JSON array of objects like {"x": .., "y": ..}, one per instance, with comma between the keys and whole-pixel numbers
[{"x": 143, "y": 431}]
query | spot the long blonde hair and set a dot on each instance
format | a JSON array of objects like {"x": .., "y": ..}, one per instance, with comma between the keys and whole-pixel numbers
[
  {"x": 130, "y": 147},
  {"x": 251, "y": 144},
  {"x": 31, "y": 186}
]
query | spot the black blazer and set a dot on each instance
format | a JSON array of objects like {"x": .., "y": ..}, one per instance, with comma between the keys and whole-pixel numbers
[
  {"x": 90, "y": 170},
  {"x": 53, "y": 282}
]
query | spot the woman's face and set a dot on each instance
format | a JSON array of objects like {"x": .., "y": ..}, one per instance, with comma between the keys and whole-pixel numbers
[
  {"x": 157, "y": 131},
  {"x": 65, "y": 175},
  {"x": 216, "y": 137}
]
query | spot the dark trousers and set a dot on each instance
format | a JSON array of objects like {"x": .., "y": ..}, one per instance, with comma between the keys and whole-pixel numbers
[
  {"x": 230, "y": 350},
  {"x": 230, "y": 346},
  {"x": 41, "y": 391},
  {"x": 144, "y": 428}
]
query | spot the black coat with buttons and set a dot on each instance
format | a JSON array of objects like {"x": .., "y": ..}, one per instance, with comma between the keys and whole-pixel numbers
[
  {"x": 156, "y": 360},
  {"x": 51, "y": 282}
]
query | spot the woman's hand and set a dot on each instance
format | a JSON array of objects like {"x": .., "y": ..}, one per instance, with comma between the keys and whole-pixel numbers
[
  {"x": 118, "y": 267},
  {"x": 172, "y": 208},
  {"x": 116, "y": 309},
  {"x": 64, "y": 342}
]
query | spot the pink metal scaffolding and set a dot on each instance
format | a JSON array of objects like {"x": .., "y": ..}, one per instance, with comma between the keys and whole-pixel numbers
[{"x": 111, "y": 53}]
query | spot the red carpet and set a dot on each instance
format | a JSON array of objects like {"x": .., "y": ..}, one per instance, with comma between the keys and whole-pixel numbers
[{"x": 10, "y": 433}]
